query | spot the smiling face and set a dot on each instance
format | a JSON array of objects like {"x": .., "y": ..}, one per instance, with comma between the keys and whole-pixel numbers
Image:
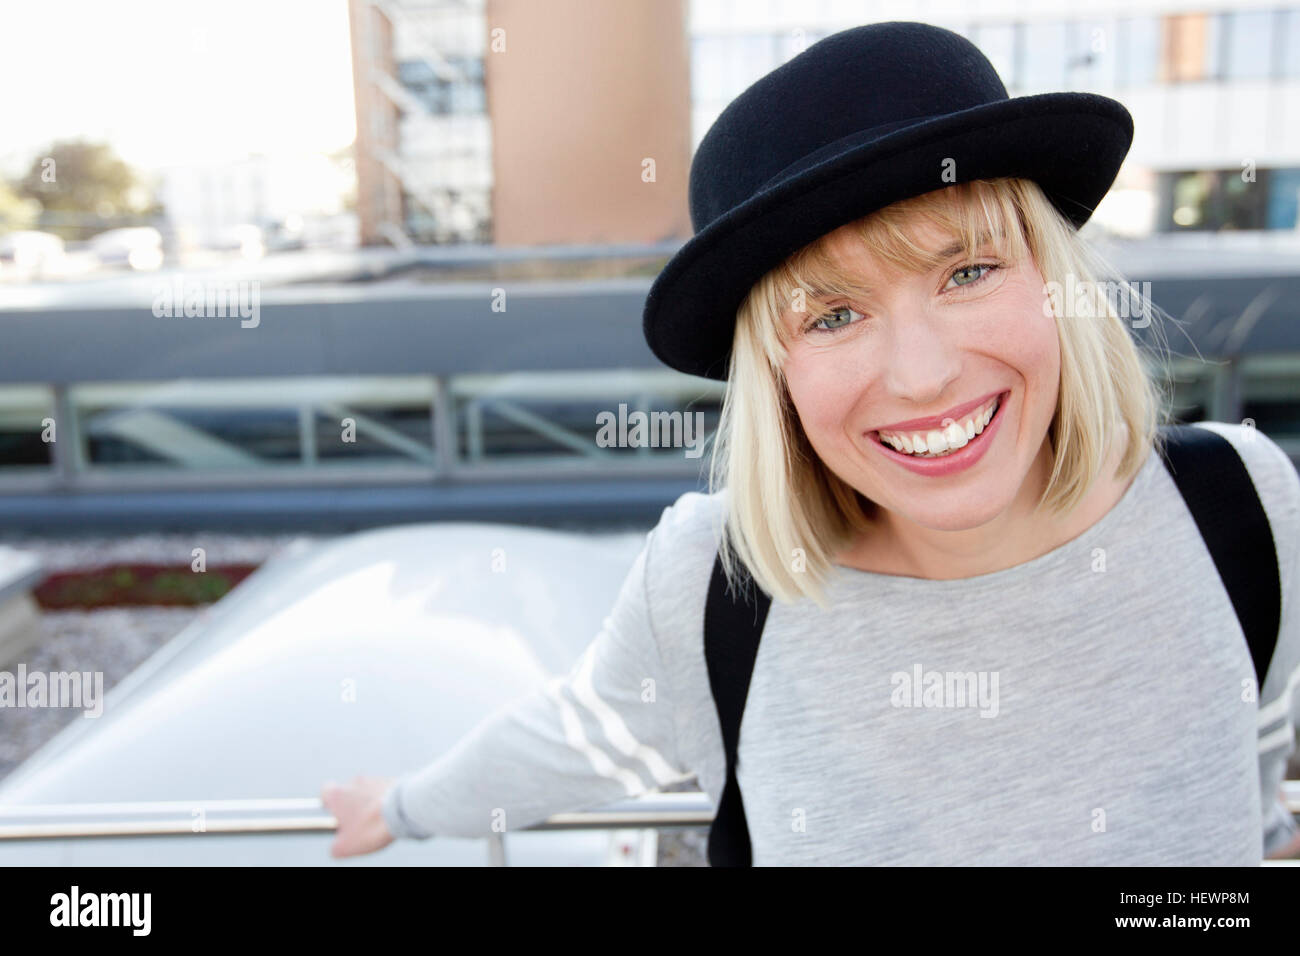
[{"x": 939, "y": 344}]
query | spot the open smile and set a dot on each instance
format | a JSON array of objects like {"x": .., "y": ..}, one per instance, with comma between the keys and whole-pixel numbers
[{"x": 954, "y": 451}]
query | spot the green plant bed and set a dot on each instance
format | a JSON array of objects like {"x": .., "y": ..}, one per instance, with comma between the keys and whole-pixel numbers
[{"x": 132, "y": 585}]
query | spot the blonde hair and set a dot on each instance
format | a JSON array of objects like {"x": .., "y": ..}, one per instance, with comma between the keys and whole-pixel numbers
[{"x": 784, "y": 504}]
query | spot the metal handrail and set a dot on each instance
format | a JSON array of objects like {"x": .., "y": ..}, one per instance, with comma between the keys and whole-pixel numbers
[
  {"x": 307, "y": 815},
  {"x": 302, "y": 815}
]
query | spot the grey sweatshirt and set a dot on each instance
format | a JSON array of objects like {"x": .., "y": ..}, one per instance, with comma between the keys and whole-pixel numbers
[{"x": 1091, "y": 706}]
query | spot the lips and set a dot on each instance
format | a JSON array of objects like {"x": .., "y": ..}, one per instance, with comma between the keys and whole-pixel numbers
[
  {"x": 956, "y": 413},
  {"x": 952, "y": 462},
  {"x": 939, "y": 421}
]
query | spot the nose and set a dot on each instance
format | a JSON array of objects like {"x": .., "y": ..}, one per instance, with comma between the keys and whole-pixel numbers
[{"x": 923, "y": 360}]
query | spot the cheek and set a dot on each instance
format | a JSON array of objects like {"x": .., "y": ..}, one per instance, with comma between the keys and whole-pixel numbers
[
  {"x": 1017, "y": 332},
  {"x": 1042, "y": 343},
  {"x": 822, "y": 393}
]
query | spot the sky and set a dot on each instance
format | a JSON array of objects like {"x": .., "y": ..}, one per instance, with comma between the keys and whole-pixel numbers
[{"x": 175, "y": 81}]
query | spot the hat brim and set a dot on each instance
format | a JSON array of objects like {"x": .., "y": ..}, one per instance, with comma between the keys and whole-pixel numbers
[{"x": 1070, "y": 144}]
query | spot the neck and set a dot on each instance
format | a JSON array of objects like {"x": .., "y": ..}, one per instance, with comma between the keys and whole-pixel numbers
[{"x": 895, "y": 545}]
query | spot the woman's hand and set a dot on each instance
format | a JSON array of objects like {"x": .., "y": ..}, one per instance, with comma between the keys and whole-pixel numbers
[{"x": 357, "y": 807}]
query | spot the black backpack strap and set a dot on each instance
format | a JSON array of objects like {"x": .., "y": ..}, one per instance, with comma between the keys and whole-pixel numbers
[
  {"x": 1219, "y": 493},
  {"x": 732, "y": 628}
]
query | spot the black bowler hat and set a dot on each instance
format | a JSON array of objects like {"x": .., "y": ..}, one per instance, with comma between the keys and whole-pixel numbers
[{"x": 861, "y": 119}]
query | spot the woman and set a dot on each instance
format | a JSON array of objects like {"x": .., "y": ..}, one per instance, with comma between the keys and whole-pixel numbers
[{"x": 996, "y": 634}]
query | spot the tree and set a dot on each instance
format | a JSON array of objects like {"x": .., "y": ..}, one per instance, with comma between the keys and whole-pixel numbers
[
  {"x": 80, "y": 184},
  {"x": 15, "y": 211}
]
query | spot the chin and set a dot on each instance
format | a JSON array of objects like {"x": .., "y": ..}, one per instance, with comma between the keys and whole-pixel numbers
[{"x": 955, "y": 517}]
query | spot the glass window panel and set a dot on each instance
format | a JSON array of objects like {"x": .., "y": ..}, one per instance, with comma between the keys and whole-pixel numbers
[
  {"x": 709, "y": 67},
  {"x": 1271, "y": 399},
  {"x": 758, "y": 13},
  {"x": 377, "y": 433},
  {"x": 752, "y": 57},
  {"x": 789, "y": 43},
  {"x": 1193, "y": 391},
  {"x": 802, "y": 11},
  {"x": 1250, "y": 36},
  {"x": 997, "y": 41},
  {"x": 1283, "y": 199},
  {"x": 1045, "y": 56},
  {"x": 1212, "y": 200},
  {"x": 1289, "y": 42},
  {"x": 190, "y": 438},
  {"x": 1216, "y": 37},
  {"x": 1244, "y": 203},
  {"x": 707, "y": 13},
  {"x": 1091, "y": 63},
  {"x": 845, "y": 13},
  {"x": 1191, "y": 205},
  {"x": 1137, "y": 55},
  {"x": 209, "y": 426},
  {"x": 560, "y": 417},
  {"x": 24, "y": 411}
]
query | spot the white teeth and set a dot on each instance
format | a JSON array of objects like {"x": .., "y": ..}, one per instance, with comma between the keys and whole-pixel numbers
[{"x": 938, "y": 442}]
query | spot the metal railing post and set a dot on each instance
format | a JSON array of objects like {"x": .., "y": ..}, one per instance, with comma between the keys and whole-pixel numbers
[{"x": 496, "y": 846}]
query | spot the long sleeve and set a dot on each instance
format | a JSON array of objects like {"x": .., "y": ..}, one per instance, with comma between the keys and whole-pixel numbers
[{"x": 603, "y": 732}]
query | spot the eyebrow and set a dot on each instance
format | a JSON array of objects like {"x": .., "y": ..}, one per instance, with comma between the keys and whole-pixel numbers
[{"x": 960, "y": 246}]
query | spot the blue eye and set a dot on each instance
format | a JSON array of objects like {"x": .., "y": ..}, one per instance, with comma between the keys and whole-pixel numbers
[
  {"x": 830, "y": 316},
  {"x": 987, "y": 266}
]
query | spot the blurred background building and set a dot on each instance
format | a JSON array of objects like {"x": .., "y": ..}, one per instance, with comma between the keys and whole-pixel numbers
[
  {"x": 1213, "y": 92},
  {"x": 424, "y": 154},
  {"x": 448, "y": 213},
  {"x": 521, "y": 123}
]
